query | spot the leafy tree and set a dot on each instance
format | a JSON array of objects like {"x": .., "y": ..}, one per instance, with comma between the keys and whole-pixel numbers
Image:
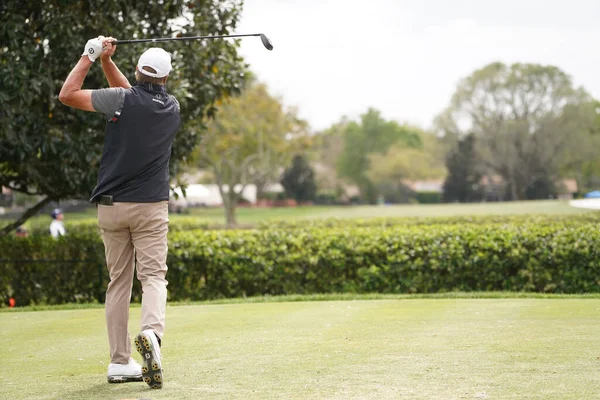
[
  {"x": 328, "y": 146},
  {"x": 393, "y": 170},
  {"x": 372, "y": 135},
  {"x": 299, "y": 180},
  {"x": 52, "y": 150},
  {"x": 251, "y": 136},
  {"x": 401, "y": 162},
  {"x": 588, "y": 171},
  {"x": 464, "y": 173},
  {"x": 298, "y": 139},
  {"x": 541, "y": 188},
  {"x": 528, "y": 119}
]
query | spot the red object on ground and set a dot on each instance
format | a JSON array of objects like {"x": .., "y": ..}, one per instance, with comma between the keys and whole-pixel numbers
[{"x": 11, "y": 302}]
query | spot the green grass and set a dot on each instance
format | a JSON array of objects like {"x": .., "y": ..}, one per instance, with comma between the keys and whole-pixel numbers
[
  {"x": 501, "y": 348},
  {"x": 249, "y": 216},
  {"x": 253, "y": 215},
  {"x": 447, "y": 210}
]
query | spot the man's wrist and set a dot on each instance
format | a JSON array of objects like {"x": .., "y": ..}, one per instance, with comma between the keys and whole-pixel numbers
[
  {"x": 86, "y": 58},
  {"x": 108, "y": 60}
]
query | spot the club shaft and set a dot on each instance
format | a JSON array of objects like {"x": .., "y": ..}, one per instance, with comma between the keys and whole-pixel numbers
[{"x": 181, "y": 38}]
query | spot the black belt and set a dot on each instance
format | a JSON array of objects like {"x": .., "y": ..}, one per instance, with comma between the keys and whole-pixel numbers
[{"x": 104, "y": 200}]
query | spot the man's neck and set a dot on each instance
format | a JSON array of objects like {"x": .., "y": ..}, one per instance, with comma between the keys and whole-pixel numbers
[{"x": 153, "y": 87}]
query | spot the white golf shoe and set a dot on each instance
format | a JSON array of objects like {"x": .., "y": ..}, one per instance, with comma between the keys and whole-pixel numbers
[
  {"x": 147, "y": 345},
  {"x": 121, "y": 373}
]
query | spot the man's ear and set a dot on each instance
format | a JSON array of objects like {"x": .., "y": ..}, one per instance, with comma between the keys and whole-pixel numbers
[{"x": 165, "y": 80}]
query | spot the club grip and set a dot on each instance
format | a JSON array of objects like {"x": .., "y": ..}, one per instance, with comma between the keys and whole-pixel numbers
[{"x": 137, "y": 41}]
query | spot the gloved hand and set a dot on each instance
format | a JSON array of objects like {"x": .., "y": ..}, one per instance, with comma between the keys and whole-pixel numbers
[{"x": 93, "y": 48}]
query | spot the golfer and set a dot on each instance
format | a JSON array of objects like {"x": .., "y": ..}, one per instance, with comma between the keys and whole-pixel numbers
[{"x": 132, "y": 196}]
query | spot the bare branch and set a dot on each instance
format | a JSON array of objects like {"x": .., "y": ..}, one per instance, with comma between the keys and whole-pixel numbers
[
  {"x": 21, "y": 190},
  {"x": 25, "y": 216}
]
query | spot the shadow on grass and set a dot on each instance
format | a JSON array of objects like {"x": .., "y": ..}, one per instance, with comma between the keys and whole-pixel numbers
[{"x": 117, "y": 391}]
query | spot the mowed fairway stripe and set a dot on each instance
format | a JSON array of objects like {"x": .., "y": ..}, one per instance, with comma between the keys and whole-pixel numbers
[
  {"x": 550, "y": 352},
  {"x": 291, "y": 349},
  {"x": 410, "y": 349}
]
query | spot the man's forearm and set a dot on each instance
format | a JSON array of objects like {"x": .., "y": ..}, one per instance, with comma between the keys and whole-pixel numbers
[
  {"x": 75, "y": 79},
  {"x": 113, "y": 75}
]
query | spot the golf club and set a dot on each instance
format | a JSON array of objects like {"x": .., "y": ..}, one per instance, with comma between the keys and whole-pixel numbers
[{"x": 265, "y": 40}]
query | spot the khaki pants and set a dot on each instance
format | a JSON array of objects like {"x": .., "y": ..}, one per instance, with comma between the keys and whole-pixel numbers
[{"x": 134, "y": 231}]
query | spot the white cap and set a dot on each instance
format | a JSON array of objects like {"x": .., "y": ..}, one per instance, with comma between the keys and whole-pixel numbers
[{"x": 157, "y": 59}]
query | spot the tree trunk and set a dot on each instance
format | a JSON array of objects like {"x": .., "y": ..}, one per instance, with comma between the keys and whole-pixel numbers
[
  {"x": 230, "y": 208},
  {"x": 25, "y": 216},
  {"x": 229, "y": 198},
  {"x": 230, "y": 216},
  {"x": 513, "y": 191}
]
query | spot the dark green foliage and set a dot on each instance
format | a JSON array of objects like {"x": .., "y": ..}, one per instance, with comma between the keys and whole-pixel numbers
[
  {"x": 550, "y": 255},
  {"x": 326, "y": 197},
  {"x": 53, "y": 150},
  {"x": 464, "y": 173},
  {"x": 39, "y": 269},
  {"x": 299, "y": 180},
  {"x": 395, "y": 192},
  {"x": 542, "y": 188},
  {"x": 429, "y": 197},
  {"x": 516, "y": 220},
  {"x": 271, "y": 196}
]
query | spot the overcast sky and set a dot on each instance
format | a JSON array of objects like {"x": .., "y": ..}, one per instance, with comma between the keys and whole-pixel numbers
[{"x": 404, "y": 57}]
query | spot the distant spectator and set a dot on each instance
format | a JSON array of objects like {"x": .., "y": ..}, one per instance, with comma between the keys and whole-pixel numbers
[
  {"x": 57, "y": 228},
  {"x": 21, "y": 232}
]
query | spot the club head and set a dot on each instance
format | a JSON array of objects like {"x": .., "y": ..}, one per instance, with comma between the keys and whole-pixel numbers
[{"x": 266, "y": 42}]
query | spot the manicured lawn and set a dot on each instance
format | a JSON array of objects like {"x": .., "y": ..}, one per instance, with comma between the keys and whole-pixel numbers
[
  {"x": 445, "y": 210},
  {"x": 502, "y": 348},
  {"x": 248, "y": 216},
  {"x": 252, "y": 215}
]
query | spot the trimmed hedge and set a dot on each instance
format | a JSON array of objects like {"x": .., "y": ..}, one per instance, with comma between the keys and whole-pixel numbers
[
  {"x": 558, "y": 256},
  {"x": 539, "y": 219},
  {"x": 551, "y": 259},
  {"x": 189, "y": 223},
  {"x": 41, "y": 270},
  {"x": 90, "y": 226}
]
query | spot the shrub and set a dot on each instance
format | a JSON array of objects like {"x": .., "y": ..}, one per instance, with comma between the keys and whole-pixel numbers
[
  {"x": 39, "y": 269},
  {"x": 553, "y": 255},
  {"x": 429, "y": 197},
  {"x": 541, "y": 219}
]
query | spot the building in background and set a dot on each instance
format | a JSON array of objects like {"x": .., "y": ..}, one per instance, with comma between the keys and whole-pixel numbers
[{"x": 207, "y": 195}]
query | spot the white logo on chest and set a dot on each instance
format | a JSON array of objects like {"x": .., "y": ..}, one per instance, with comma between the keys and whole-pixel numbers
[{"x": 159, "y": 101}]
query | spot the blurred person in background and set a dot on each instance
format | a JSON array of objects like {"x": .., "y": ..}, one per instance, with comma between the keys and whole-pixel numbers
[
  {"x": 21, "y": 232},
  {"x": 57, "y": 227}
]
